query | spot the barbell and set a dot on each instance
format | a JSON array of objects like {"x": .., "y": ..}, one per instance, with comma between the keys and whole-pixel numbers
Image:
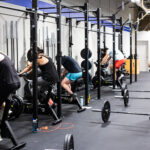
[
  {"x": 125, "y": 97},
  {"x": 131, "y": 97},
  {"x": 106, "y": 111}
]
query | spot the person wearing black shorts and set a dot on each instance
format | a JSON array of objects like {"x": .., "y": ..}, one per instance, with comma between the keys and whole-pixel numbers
[
  {"x": 73, "y": 71},
  {"x": 9, "y": 80}
]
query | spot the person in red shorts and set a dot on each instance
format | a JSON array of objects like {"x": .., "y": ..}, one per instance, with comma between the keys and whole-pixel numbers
[{"x": 119, "y": 59}]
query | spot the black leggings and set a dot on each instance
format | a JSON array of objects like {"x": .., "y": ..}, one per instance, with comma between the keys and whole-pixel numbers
[
  {"x": 6, "y": 90},
  {"x": 40, "y": 82}
]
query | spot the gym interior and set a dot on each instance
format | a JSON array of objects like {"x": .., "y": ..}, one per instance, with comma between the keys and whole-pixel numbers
[{"x": 94, "y": 59}]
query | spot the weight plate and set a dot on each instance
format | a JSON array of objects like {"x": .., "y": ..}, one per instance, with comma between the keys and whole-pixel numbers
[
  {"x": 84, "y": 53},
  {"x": 124, "y": 86},
  {"x": 16, "y": 107},
  {"x": 126, "y": 97},
  {"x": 83, "y": 65},
  {"x": 105, "y": 114},
  {"x": 69, "y": 142}
]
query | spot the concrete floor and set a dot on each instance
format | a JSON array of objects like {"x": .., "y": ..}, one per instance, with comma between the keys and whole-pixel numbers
[{"x": 122, "y": 132}]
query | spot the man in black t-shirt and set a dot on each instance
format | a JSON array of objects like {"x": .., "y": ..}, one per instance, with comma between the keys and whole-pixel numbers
[
  {"x": 9, "y": 80},
  {"x": 73, "y": 71}
]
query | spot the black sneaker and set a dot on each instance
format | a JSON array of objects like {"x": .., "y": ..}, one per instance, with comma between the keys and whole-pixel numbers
[{"x": 72, "y": 97}]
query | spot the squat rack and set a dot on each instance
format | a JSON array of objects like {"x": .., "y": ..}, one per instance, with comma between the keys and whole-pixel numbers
[
  {"x": 33, "y": 36},
  {"x": 85, "y": 8},
  {"x": 86, "y": 19},
  {"x": 98, "y": 19},
  {"x": 85, "y": 11}
]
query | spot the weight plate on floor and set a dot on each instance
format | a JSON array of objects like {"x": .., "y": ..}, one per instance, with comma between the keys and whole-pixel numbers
[
  {"x": 69, "y": 142},
  {"x": 126, "y": 97},
  {"x": 105, "y": 114},
  {"x": 16, "y": 107}
]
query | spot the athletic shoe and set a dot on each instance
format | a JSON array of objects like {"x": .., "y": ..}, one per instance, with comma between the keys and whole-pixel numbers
[{"x": 72, "y": 97}]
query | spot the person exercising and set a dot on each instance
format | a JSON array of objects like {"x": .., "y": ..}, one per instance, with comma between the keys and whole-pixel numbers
[
  {"x": 119, "y": 59},
  {"x": 72, "y": 71},
  {"x": 9, "y": 80},
  {"x": 49, "y": 73}
]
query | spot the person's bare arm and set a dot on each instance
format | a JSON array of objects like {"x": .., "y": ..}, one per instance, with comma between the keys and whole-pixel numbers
[
  {"x": 105, "y": 59},
  {"x": 108, "y": 59},
  {"x": 1, "y": 57},
  {"x": 27, "y": 69},
  {"x": 64, "y": 72}
]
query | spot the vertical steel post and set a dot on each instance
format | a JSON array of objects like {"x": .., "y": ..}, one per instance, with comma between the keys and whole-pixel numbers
[
  {"x": 135, "y": 57},
  {"x": 59, "y": 54},
  {"x": 87, "y": 50},
  {"x": 70, "y": 37},
  {"x": 17, "y": 45},
  {"x": 114, "y": 46},
  {"x": 121, "y": 35},
  {"x": 130, "y": 52},
  {"x": 104, "y": 36},
  {"x": 99, "y": 52},
  {"x": 34, "y": 47}
]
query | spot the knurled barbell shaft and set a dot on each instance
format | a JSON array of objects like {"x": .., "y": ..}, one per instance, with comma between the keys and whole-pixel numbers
[
  {"x": 120, "y": 112},
  {"x": 118, "y": 96}
]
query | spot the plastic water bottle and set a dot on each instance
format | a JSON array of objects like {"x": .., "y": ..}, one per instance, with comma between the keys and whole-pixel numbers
[
  {"x": 34, "y": 125},
  {"x": 81, "y": 100}
]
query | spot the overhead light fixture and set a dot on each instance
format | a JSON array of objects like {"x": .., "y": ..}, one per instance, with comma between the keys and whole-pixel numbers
[
  {"x": 136, "y": 1},
  {"x": 146, "y": 4}
]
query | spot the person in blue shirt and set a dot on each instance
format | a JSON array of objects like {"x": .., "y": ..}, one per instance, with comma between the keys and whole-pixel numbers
[{"x": 72, "y": 70}]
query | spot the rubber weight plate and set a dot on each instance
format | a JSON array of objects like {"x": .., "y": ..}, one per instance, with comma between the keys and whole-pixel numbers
[
  {"x": 16, "y": 107},
  {"x": 69, "y": 142},
  {"x": 105, "y": 114},
  {"x": 126, "y": 97},
  {"x": 83, "y": 65},
  {"x": 84, "y": 53}
]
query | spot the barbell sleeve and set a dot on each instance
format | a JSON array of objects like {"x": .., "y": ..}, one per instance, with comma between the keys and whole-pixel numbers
[{"x": 118, "y": 96}]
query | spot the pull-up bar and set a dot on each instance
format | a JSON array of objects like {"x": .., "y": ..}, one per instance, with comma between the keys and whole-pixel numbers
[{"x": 47, "y": 8}]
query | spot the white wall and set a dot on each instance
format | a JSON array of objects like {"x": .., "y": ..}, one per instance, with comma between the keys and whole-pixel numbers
[{"x": 145, "y": 37}]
